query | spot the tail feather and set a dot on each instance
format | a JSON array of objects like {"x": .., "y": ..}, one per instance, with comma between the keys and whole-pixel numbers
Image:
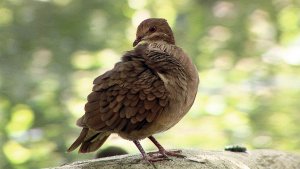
[
  {"x": 89, "y": 141},
  {"x": 79, "y": 140},
  {"x": 93, "y": 144}
]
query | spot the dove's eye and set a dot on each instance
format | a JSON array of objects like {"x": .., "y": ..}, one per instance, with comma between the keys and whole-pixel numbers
[{"x": 152, "y": 29}]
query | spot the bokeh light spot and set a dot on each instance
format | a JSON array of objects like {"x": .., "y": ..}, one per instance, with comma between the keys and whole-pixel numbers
[
  {"x": 82, "y": 60},
  {"x": 6, "y": 16},
  {"x": 21, "y": 119},
  {"x": 15, "y": 152},
  {"x": 137, "y": 4}
]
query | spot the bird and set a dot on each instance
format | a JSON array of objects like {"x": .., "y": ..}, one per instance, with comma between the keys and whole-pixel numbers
[{"x": 149, "y": 91}]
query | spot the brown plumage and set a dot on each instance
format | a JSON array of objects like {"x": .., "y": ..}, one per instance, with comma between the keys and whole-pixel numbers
[{"x": 147, "y": 92}]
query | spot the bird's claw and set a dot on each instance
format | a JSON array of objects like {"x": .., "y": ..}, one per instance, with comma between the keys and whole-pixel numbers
[
  {"x": 175, "y": 153},
  {"x": 159, "y": 156},
  {"x": 164, "y": 154},
  {"x": 152, "y": 159}
]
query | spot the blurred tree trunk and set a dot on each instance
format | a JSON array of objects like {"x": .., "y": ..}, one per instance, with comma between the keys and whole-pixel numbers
[{"x": 255, "y": 159}]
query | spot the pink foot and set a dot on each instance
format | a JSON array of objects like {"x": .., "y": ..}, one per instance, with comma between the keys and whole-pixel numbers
[{"x": 165, "y": 154}]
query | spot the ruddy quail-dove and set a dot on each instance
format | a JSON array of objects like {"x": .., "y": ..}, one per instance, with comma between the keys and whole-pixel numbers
[{"x": 147, "y": 92}]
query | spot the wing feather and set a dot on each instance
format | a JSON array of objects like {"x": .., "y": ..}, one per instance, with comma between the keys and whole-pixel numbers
[{"x": 125, "y": 99}]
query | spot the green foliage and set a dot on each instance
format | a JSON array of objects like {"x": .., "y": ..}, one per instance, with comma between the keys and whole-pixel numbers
[{"x": 247, "y": 53}]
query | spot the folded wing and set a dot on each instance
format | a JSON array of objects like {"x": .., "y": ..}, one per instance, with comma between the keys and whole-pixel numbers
[{"x": 127, "y": 98}]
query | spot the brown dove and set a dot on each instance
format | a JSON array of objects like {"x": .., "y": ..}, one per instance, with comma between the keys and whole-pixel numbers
[{"x": 147, "y": 92}]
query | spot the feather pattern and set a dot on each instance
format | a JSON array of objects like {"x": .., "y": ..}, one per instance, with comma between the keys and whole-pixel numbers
[{"x": 130, "y": 96}]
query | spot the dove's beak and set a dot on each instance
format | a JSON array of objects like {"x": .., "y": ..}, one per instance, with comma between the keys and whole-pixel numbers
[{"x": 137, "y": 41}]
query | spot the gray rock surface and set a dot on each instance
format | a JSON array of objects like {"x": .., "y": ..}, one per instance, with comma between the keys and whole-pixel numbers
[{"x": 198, "y": 159}]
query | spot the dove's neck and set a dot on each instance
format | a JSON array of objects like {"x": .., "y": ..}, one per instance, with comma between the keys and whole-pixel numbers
[
  {"x": 186, "y": 62},
  {"x": 176, "y": 52},
  {"x": 165, "y": 47}
]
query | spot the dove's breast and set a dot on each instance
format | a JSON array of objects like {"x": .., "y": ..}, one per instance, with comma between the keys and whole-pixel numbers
[
  {"x": 183, "y": 88},
  {"x": 180, "y": 79}
]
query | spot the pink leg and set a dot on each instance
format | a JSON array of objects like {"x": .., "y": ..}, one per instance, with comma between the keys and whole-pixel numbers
[
  {"x": 164, "y": 153},
  {"x": 146, "y": 157}
]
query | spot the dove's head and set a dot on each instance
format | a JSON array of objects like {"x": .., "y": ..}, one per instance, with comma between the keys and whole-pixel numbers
[{"x": 154, "y": 29}]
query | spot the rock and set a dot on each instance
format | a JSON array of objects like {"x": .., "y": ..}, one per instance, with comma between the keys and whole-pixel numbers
[{"x": 198, "y": 159}]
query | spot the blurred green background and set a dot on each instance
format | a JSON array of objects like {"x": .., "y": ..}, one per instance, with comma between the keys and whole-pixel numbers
[{"x": 247, "y": 54}]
